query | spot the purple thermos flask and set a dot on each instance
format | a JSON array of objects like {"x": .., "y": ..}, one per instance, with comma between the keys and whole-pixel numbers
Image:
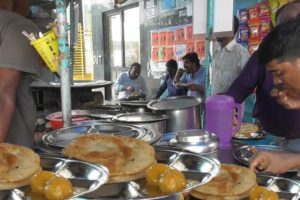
[{"x": 219, "y": 116}]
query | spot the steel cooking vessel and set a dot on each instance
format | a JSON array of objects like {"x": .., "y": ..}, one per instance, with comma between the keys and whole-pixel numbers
[
  {"x": 195, "y": 140},
  {"x": 184, "y": 112},
  {"x": 135, "y": 106},
  {"x": 152, "y": 121}
]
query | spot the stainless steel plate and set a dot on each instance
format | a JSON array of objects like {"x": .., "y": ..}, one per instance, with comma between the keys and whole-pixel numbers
[
  {"x": 150, "y": 136},
  {"x": 60, "y": 138},
  {"x": 252, "y": 136},
  {"x": 287, "y": 189},
  {"x": 41, "y": 143},
  {"x": 197, "y": 169},
  {"x": 85, "y": 177},
  {"x": 244, "y": 154}
]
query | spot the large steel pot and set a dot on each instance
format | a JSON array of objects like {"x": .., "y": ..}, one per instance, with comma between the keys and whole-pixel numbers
[
  {"x": 184, "y": 112},
  {"x": 151, "y": 121},
  {"x": 135, "y": 106}
]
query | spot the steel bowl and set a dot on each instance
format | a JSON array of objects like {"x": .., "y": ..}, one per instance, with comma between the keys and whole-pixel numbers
[
  {"x": 56, "y": 120},
  {"x": 286, "y": 188},
  {"x": 85, "y": 177},
  {"x": 152, "y": 121}
]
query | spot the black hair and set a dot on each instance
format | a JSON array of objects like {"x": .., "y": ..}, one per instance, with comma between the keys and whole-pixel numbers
[
  {"x": 192, "y": 57},
  {"x": 135, "y": 64},
  {"x": 284, "y": 7},
  {"x": 282, "y": 43},
  {"x": 172, "y": 63},
  {"x": 235, "y": 24}
]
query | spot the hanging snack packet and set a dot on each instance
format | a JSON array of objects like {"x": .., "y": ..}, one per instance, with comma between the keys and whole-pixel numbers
[
  {"x": 253, "y": 12},
  {"x": 243, "y": 34},
  {"x": 265, "y": 24},
  {"x": 264, "y": 8},
  {"x": 253, "y": 46},
  {"x": 254, "y": 28},
  {"x": 243, "y": 16}
]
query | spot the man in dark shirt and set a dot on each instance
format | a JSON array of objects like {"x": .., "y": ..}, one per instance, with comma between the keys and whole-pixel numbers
[
  {"x": 172, "y": 67},
  {"x": 282, "y": 59},
  {"x": 273, "y": 117}
]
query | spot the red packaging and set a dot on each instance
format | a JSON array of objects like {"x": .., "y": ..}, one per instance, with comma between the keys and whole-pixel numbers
[
  {"x": 254, "y": 28},
  {"x": 253, "y": 12},
  {"x": 253, "y": 45},
  {"x": 264, "y": 8},
  {"x": 265, "y": 24}
]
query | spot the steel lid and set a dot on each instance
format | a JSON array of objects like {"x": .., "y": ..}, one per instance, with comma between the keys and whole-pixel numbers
[
  {"x": 174, "y": 103},
  {"x": 134, "y": 103},
  {"x": 196, "y": 140},
  {"x": 139, "y": 117}
]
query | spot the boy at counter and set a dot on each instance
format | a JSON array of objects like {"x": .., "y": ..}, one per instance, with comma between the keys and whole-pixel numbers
[
  {"x": 192, "y": 76},
  {"x": 172, "y": 67},
  {"x": 280, "y": 52},
  {"x": 273, "y": 117},
  {"x": 130, "y": 82},
  {"x": 18, "y": 63}
]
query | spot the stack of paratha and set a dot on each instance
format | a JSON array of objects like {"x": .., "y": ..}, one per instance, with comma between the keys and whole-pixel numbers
[
  {"x": 233, "y": 183},
  {"x": 17, "y": 165},
  {"x": 246, "y": 130},
  {"x": 126, "y": 158}
]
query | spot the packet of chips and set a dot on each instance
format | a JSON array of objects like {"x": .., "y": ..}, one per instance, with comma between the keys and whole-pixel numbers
[
  {"x": 243, "y": 16},
  {"x": 243, "y": 34}
]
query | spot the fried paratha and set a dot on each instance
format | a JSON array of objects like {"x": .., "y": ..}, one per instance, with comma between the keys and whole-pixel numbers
[
  {"x": 126, "y": 158},
  {"x": 246, "y": 130},
  {"x": 17, "y": 165},
  {"x": 233, "y": 182}
]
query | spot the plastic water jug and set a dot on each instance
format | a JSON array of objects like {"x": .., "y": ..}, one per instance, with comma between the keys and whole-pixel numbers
[{"x": 219, "y": 116}]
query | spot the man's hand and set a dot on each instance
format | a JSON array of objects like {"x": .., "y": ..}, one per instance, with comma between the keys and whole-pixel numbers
[
  {"x": 130, "y": 89},
  {"x": 9, "y": 83},
  {"x": 275, "y": 161},
  {"x": 290, "y": 99},
  {"x": 192, "y": 86},
  {"x": 178, "y": 75}
]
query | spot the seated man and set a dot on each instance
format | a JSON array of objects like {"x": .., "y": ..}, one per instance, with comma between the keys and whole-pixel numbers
[
  {"x": 192, "y": 76},
  {"x": 131, "y": 83},
  {"x": 168, "y": 82}
]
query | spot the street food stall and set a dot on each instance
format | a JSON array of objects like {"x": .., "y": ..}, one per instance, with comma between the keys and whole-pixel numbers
[{"x": 167, "y": 149}]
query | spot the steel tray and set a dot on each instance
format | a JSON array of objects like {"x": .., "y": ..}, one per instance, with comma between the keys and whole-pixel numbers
[
  {"x": 85, "y": 177},
  {"x": 197, "y": 169},
  {"x": 287, "y": 189},
  {"x": 244, "y": 154},
  {"x": 254, "y": 136}
]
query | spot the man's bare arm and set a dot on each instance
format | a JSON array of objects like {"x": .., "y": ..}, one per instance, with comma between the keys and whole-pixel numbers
[{"x": 9, "y": 83}]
